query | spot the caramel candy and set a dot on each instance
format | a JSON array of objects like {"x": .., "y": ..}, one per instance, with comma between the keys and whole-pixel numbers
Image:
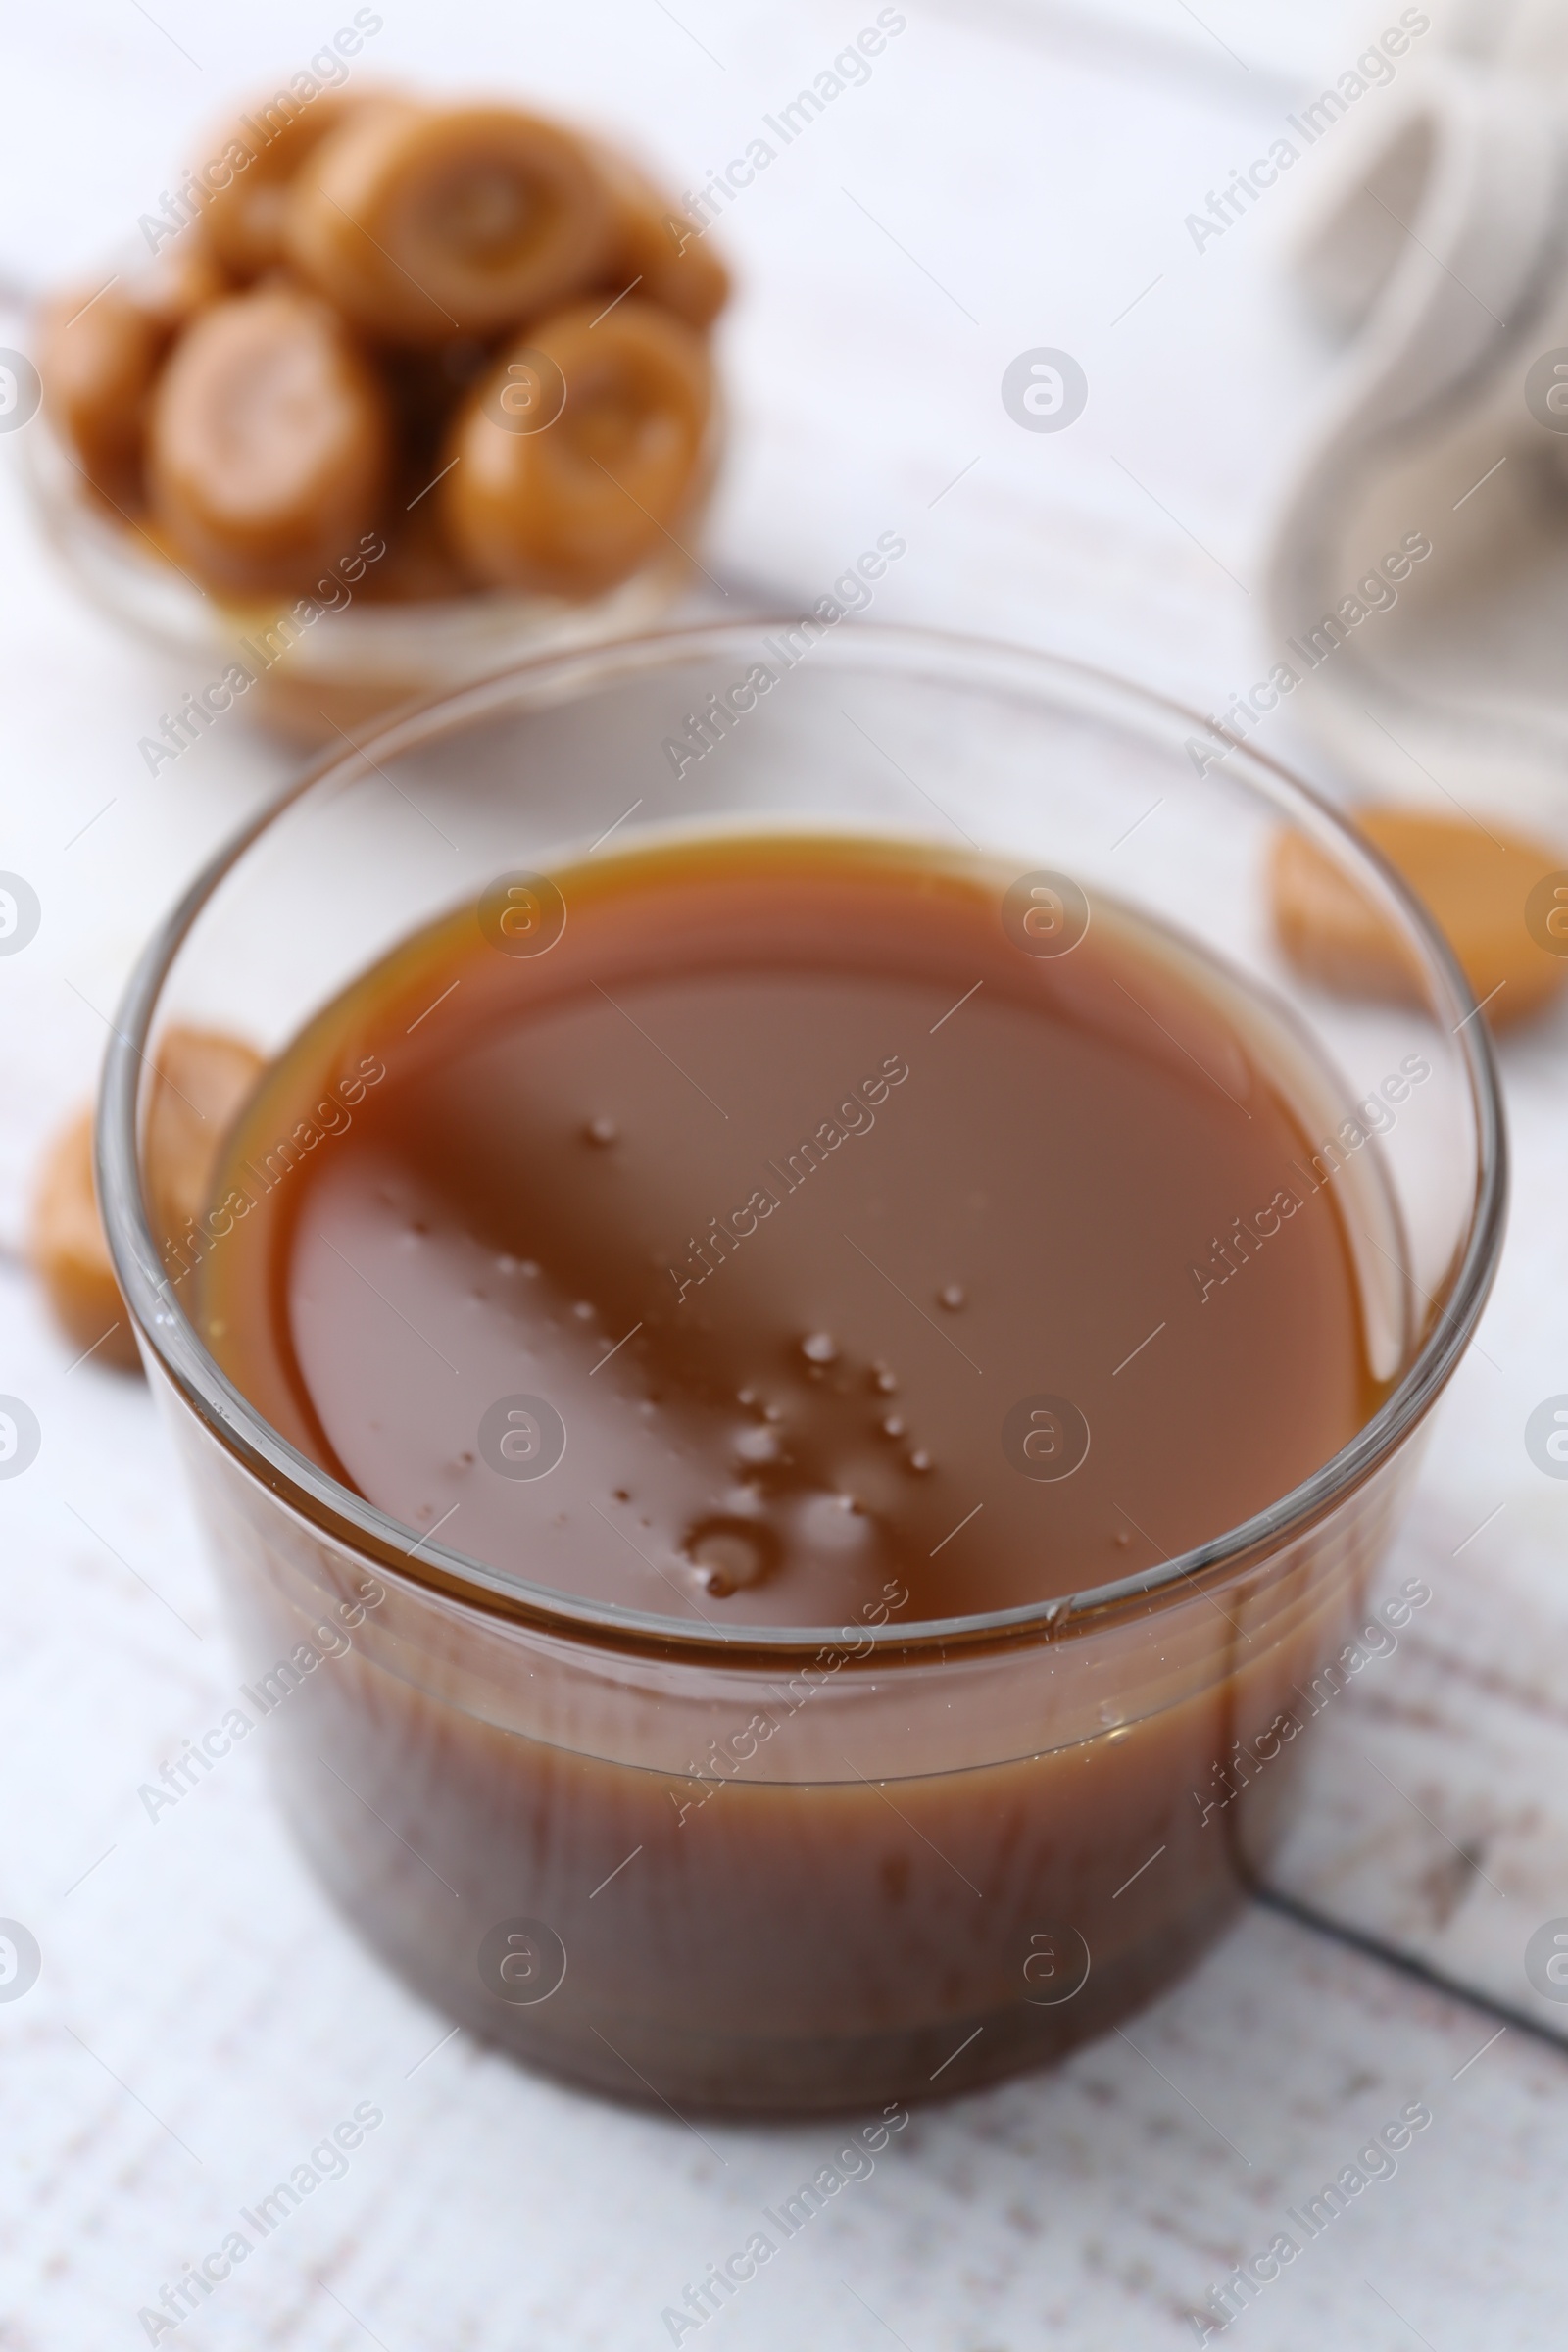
[
  {"x": 244, "y": 221},
  {"x": 269, "y": 443},
  {"x": 1477, "y": 883},
  {"x": 200, "y": 1080},
  {"x": 658, "y": 253},
  {"x": 575, "y": 505},
  {"x": 422, "y": 223},
  {"x": 71, "y": 1255},
  {"x": 316, "y": 349},
  {"x": 98, "y": 353},
  {"x": 182, "y": 281}
]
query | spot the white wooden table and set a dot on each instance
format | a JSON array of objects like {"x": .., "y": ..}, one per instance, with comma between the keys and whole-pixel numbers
[{"x": 1014, "y": 174}]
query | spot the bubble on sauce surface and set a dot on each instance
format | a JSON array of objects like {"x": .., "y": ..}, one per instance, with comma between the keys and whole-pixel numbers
[
  {"x": 953, "y": 1295},
  {"x": 602, "y": 1131},
  {"x": 755, "y": 1443},
  {"x": 832, "y": 1525},
  {"x": 819, "y": 1348},
  {"x": 731, "y": 1553}
]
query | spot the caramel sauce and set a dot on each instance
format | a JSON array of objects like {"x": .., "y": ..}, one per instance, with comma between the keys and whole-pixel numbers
[{"x": 744, "y": 1230}]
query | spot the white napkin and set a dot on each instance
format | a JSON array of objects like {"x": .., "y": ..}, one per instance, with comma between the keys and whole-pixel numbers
[{"x": 1417, "y": 580}]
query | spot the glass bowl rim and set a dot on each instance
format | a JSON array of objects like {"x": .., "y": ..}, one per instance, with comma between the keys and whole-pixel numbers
[
  {"x": 1036, "y": 674},
  {"x": 137, "y": 587}
]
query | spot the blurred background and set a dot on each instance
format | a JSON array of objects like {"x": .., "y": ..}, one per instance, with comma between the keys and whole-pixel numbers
[{"x": 1010, "y": 178}]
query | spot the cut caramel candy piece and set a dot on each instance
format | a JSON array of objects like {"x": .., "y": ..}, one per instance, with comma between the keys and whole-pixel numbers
[
  {"x": 1487, "y": 889},
  {"x": 200, "y": 1081},
  {"x": 270, "y": 443},
  {"x": 573, "y": 505},
  {"x": 243, "y": 222},
  {"x": 421, "y": 223},
  {"x": 180, "y": 282},
  {"x": 658, "y": 252},
  {"x": 71, "y": 1255},
  {"x": 98, "y": 353}
]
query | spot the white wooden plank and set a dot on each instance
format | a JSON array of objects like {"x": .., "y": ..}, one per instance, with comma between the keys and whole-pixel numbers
[{"x": 1438, "y": 1810}]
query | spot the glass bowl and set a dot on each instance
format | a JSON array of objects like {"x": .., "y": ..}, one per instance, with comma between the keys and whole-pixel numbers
[
  {"x": 361, "y": 656},
  {"x": 823, "y": 1867}
]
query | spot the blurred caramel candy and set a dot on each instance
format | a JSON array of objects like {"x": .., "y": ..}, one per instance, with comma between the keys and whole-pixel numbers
[
  {"x": 244, "y": 221},
  {"x": 183, "y": 281},
  {"x": 269, "y": 445},
  {"x": 658, "y": 252},
  {"x": 321, "y": 342},
  {"x": 1477, "y": 883},
  {"x": 569, "y": 506},
  {"x": 71, "y": 1255},
  {"x": 422, "y": 224},
  {"x": 98, "y": 353},
  {"x": 200, "y": 1080}
]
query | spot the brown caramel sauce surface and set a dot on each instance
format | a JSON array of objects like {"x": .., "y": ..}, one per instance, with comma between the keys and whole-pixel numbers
[{"x": 784, "y": 1176}]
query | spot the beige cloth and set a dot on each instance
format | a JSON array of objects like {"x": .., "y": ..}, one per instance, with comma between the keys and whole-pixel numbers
[
  {"x": 1528, "y": 35},
  {"x": 1419, "y": 571}
]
